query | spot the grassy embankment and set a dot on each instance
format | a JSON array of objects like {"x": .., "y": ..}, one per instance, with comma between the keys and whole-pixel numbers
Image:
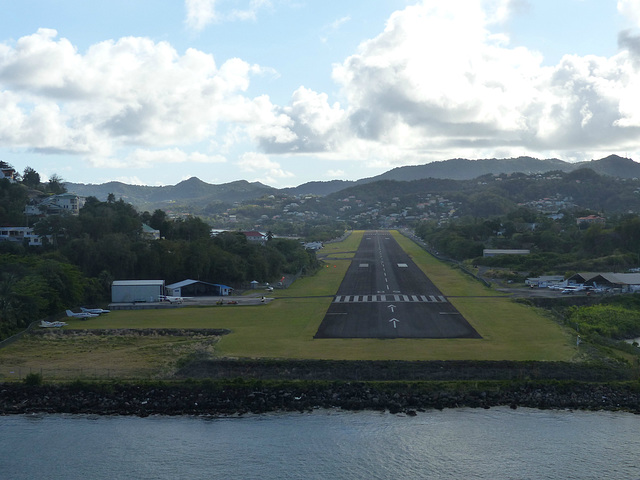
[{"x": 285, "y": 328}]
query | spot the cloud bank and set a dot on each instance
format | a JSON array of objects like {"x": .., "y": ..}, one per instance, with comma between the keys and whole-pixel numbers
[
  {"x": 132, "y": 92},
  {"x": 440, "y": 81}
]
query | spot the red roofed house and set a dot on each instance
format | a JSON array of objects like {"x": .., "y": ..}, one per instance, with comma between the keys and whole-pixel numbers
[
  {"x": 255, "y": 237},
  {"x": 591, "y": 219}
]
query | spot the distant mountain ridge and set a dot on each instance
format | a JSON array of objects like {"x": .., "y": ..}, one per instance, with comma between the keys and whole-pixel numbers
[
  {"x": 187, "y": 192},
  {"x": 196, "y": 192}
]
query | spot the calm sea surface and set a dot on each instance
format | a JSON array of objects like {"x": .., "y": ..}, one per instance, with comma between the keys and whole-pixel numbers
[{"x": 452, "y": 444}]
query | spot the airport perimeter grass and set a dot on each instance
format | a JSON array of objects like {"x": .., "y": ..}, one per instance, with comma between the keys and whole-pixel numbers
[{"x": 285, "y": 327}]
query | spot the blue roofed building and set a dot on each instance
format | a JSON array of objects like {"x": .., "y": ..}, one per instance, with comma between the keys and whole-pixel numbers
[{"x": 197, "y": 288}]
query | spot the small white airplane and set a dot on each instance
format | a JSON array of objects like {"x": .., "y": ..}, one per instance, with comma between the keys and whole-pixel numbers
[
  {"x": 45, "y": 324},
  {"x": 169, "y": 299},
  {"x": 81, "y": 314},
  {"x": 97, "y": 311}
]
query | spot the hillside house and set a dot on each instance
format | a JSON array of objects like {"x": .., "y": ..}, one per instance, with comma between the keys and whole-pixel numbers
[
  {"x": 8, "y": 173},
  {"x": 255, "y": 237},
  {"x": 20, "y": 235},
  {"x": 590, "y": 220},
  {"x": 150, "y": 233},
  {"x": 56, "y": 205}
]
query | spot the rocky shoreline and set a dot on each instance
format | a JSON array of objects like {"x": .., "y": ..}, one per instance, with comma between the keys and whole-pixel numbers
[{"x": 210, "y": 398}]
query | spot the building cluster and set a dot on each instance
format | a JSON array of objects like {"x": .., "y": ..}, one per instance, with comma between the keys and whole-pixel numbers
[
  {"x": 356, "y": 211},
  {"x": 156, "y": 291},
  {"x": 396, "y": 212},
  {"x": 40, "y": 207},
  {"x": 45, "y": 206},
  {"x": 551, "y": 205},
  {"x": 588, "y": 282}
]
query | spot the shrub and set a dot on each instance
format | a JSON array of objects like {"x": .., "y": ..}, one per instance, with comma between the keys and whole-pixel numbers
[{"x": 33, "y": 379}]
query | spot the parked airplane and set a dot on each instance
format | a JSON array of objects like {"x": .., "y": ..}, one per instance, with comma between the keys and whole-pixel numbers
[
  {"x": 81, "y": 314},
  {"x": 169, "y": 299},
  {"x": 97, "y": 311},
  {"x": 45, "y": 324},
  {"x": 573, "y": 289}
]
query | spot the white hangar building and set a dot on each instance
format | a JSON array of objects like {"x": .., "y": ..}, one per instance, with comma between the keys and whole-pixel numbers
[{"x": 132, "y": 291}]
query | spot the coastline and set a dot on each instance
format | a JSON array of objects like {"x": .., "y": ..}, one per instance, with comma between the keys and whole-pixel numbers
[{"x": 239, "y": 397}]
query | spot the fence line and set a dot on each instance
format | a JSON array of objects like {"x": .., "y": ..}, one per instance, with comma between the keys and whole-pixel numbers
[
  {"x": 14, "y": 338},
  {"x": 9, "y": 373},
  {"x": 418, "y": 241}
]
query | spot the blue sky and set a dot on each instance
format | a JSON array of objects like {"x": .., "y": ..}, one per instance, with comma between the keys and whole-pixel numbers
[{"x": 290, "y": 91}]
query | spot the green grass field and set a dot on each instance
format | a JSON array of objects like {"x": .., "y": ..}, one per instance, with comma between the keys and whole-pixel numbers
[{"x": 285, "y": 327}]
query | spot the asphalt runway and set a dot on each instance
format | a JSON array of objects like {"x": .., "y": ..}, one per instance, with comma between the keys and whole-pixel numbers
[{"x": 385, "y": 295}]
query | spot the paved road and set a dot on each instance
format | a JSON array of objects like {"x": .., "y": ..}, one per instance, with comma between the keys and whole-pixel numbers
[{"x": 385, "y": 295}]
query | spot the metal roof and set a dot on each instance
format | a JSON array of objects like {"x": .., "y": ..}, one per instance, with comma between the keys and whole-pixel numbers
[
  {"x": 137, "y": 283},
  {"x": 188, "y": 282},
  {"x": 621, "y": 278}
]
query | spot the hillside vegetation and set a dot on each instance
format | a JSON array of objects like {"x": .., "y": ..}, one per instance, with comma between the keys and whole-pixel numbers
[{"x": 83, "y": 254}]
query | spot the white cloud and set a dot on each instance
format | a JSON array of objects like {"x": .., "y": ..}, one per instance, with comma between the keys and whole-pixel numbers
[
  {"x": 335, "y": 173},
  {"x": 130, "y": 180},
  {"x": 307, "y": 124},
  {"x": 270, "y": 172},
  {"x": 202, "y": 13},
  {"x": 141, "y": 158},
  {"x": 631, "y": 10},
  {"x": 251, "y": 12},
  {"x": 122, "y": 93},
  {"x": 333, "y": 27},
  {"x": 442, "y": 80}
]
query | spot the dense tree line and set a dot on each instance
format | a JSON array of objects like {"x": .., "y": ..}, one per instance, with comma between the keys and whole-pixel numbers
[
  {"x": 557, "y": 246},
  {"x": 36, "y": 286},
  {"x": 108, "y": 242}
]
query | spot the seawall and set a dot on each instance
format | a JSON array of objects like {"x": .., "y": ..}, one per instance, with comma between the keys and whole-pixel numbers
[{"x": 240, "y": 397}]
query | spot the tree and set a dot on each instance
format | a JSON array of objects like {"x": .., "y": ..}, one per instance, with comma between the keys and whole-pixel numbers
[
  {"x": 60, "y": 228},
  {"x": 13, "y": 198},
  {"x": 191, "y": 228},
  {"x": 30, "y": 178},
  {"x": 56, "y": 185},
  {"x": 159, "y": 221}
]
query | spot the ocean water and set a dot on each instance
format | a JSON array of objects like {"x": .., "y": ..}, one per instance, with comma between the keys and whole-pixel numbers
[{"x": 499, "y": 443}]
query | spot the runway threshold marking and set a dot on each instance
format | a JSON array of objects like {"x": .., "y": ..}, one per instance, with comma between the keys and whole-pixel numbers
[{"x": 389, "y": 298}]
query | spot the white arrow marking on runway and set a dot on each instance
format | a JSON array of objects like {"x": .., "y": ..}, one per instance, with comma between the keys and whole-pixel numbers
[
  {"x": 395, "y": 321},
  {"x": 391, "y": 307}
]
